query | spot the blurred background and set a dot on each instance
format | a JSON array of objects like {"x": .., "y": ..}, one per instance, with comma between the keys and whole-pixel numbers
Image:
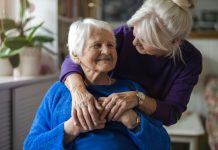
[{"x": 20, "y": 94}]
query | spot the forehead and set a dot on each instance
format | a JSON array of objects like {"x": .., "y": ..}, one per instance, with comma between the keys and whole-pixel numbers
[{"x": 97, "y": 33}]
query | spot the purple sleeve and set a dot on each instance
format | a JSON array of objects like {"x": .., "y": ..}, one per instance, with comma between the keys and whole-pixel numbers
[
  {"x": 68, "y": 67},
  {"x": 169, "y": 110}
]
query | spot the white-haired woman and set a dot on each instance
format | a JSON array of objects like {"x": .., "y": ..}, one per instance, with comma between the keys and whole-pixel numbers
[
  {"x": 152, "y": 51},
  {"x": 92, "y": 45}
]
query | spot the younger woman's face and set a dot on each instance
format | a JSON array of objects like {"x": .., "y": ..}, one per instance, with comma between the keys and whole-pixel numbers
[{"x": 144, "y": 48}]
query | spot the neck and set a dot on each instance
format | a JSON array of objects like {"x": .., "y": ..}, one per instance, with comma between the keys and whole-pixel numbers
[{"x": 97, "y": 78}]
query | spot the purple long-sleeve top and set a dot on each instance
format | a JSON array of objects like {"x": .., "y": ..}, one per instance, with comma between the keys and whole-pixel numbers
[{"x": 167, "y": 80}]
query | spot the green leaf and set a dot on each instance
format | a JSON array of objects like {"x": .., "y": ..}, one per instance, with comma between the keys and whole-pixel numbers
[
  {"x": 29, "y": 38},
  {"x": 7, "y": 52},
  {"x": 47, "y": 30},
  {"x": 27, "y": 20},
  {"x": 43, "y": 39},
  {"x": 7, "y": 24},
  {"x": 17, "y": 42},
  {"x": 24, "y": 4}
]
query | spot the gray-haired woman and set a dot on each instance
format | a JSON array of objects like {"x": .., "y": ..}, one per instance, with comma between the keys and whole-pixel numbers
[
  {"x": 152, "y": 51},
  {"x": 54, "y": 128}
]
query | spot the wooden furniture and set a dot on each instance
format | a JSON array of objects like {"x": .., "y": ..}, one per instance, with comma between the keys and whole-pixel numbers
[
  {"x": 187, "y": 130},
  {"x": 19, "y": 100}
]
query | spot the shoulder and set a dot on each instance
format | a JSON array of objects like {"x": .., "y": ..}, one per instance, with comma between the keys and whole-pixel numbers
[
  {"x": 192, "y": 57},
  {"x": 123, "y": 32},
  {"x": 57, "y": 91},
  {"x": 57, "y": 87},
  {"x": 189, "y": 51},
  {"x": 124, "y": 29}
]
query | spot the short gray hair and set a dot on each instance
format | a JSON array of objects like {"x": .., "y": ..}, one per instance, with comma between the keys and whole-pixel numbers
[
  {"x": 169, "y": 19},
  {"x": 79, "y": 32}
]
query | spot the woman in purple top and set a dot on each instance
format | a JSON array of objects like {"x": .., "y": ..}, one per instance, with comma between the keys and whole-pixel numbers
[{"x": 152, "y": 51}]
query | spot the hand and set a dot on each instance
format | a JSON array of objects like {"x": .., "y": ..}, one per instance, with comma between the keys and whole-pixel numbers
[
  {"x": 117, "y": 103},
  {"x": 85, "y": 109},
  {"x": 129, "y": 118},
  {"x": 71, "y": 131}
]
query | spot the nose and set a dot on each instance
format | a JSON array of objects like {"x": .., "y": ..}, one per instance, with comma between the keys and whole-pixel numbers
[
  {"x": 135, "y": 41},
  {"x": 105, "y": 49}
]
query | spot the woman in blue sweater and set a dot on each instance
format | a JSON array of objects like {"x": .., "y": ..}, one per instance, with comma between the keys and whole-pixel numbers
[{"x": 92, "y": 45}]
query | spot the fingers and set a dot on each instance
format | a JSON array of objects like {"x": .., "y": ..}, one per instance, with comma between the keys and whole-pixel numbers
[
  {"x": 98, "y": 106},
  {"x": 87, "y": 118},
  {"x": 100, "y": 126},
  {"x": 114, "y": 110},
  {"x": 76, "y": 120},
  {"x": 120, "y": 111},
  {"x": 82, "y": 119},
  {"x": 93, "y": 114},
  {"x": 107, "y": 105}
]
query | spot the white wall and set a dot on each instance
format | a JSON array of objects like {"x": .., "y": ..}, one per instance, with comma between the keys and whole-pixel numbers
[
  {"x": 46, "y": 11},
  {"x": 209, "y": 50},
  {"x": 2, "y": 8},
  {"x": 11, "y": 8}
]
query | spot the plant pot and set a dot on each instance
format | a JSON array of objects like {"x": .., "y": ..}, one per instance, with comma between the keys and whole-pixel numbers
[
  {"x": 30, "y": 61},
  {"x": 6, "y": 68}
]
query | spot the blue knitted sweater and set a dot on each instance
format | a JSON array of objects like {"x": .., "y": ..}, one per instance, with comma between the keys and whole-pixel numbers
[{"x": 47, "y": 131}]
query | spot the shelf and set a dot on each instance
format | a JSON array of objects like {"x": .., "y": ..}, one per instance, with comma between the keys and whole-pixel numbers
[
  {"x": 66, "y": 19},
  {"x": 203, "y": 35}
]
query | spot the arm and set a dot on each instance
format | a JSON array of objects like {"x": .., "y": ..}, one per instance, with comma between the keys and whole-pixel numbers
[
  {"x": 170, "y": 108},
  {"x": 69, "y": 67},
  {"x": 130, "y": 119},
  {"x": 150, "y": 134},
  {"x": 71, "y": 75},
  {"x": 47, "y": 132},
  {"x": 42, "y": 135}
]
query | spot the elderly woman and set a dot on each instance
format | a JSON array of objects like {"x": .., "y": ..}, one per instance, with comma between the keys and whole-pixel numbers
[
  {"x": 92, "y": 45},
  {"x": 153, "y": 52}
]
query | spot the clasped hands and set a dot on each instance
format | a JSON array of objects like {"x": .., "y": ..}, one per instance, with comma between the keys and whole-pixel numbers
[{"x": 89, "y": 114}]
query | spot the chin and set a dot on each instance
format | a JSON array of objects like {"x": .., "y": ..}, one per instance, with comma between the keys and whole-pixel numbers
[
  {"x": 143, "y": 52},
  {"x": 106, "y": 69}
]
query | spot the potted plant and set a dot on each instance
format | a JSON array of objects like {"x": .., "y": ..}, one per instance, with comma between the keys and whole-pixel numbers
[
  {"x": 21, "y": 38},
  {"x": 6, "y": 52}
]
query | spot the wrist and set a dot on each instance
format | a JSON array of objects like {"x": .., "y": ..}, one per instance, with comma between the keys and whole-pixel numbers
[
  {"x": 137, "y": 126},
  {"x": 70, "y": 129},
  {"x": 140, "y": 98}
]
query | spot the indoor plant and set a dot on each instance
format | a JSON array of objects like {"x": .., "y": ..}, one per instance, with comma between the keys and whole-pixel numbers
[{"x": 18, "y": 37}]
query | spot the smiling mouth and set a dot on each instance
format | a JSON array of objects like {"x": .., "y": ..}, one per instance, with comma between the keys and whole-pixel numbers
[{"x": 105, "y": 59}]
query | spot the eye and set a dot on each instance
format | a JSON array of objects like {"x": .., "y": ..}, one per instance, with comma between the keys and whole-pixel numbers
[
  {"x": 110, "y": 45},
  {"x": 97, "y": 45}
]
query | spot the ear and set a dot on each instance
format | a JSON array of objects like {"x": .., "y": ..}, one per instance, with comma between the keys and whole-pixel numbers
[{"x": 176, "y": 41}]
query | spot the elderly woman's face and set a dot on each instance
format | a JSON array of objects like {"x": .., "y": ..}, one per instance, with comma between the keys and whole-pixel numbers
[{"x": 99, "y": 53}]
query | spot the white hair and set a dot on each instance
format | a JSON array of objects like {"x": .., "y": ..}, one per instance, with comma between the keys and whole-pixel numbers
[
  {"x": 161, "y": 21},
  {"x": 79, "y": 32}
]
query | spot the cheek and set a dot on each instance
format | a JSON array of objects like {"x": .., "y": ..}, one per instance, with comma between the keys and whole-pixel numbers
[{"x": 114, "y": 55}]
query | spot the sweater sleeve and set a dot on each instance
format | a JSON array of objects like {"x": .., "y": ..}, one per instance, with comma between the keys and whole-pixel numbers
[
  {"x": 151, "y": 136},
  {"x": 170, "y": 109},
  {"x": 42, "y": 136},
  {"x": 68, "y": 67}
]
